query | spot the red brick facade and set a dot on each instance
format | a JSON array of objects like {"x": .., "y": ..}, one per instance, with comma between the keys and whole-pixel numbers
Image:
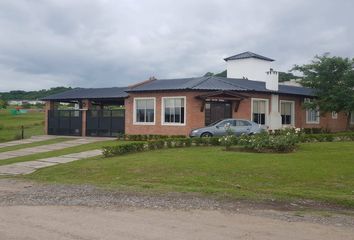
[{"x": 195, "y": 118}]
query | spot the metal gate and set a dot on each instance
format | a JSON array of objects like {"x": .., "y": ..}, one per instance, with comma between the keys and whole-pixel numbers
[
  {"x": 65, "y": 122},
  {"x": 105, "y": 123}
]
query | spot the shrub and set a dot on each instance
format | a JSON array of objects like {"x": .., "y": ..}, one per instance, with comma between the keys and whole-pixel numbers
[
  {"x": 143, "y": 137},
  {"x": 283, "y": 141},
  {"x": 110, "y": 151},
  {"x": 329, "y": 137}
]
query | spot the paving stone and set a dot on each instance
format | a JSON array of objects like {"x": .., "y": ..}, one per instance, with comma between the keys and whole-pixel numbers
[
  {"x": 45, "y": 148},
  {"x": 4, "y": 156},
  {"x": 59, "y": 159},
  {"x": 15, "y": 170},
  {"x": 35, "y": 164},
  {"x": 85, "y": 154}
]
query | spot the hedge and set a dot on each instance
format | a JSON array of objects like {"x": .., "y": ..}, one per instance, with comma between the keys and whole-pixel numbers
[
  {"x": 159, "y": 142},
  {"x": 329, "y": 137},
  {"x": 146, "y": 137},
  {"x": 109, "y": 151}
]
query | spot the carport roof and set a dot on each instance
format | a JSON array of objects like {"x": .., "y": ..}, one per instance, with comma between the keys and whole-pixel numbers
[{"x": 89, "y": 93}]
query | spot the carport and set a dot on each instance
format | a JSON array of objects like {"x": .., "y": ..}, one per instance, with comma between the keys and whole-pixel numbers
[{"x": 86, "y": 112}]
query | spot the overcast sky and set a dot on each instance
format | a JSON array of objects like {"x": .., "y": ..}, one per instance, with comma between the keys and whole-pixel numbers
[{"x": 103, "y": 43}]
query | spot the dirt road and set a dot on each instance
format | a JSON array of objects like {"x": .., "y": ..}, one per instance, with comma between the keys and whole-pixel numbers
[
  {"x": 64, "y": 223},
  {"x": 32, "y": 211}
]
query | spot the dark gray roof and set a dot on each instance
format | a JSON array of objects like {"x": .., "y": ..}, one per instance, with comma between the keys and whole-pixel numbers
[
  {"x": 197, "y": 84},
  {"x": 90, "y": 93},
  {"x": 216, "y": 83},
  {"x": 248, "y": 55}
]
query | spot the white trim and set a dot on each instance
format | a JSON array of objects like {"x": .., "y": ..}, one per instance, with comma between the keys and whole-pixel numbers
[
  {"x": 163, "y": 111},
  {"x": 307, "y": 113},
  {"x": 134, "y": 111},
  {"x": 267, "y": 109},
  {"x": 312, "y": 122},
  {"x": 334, "y": 115},
  {"x": 293, "y": 116}
]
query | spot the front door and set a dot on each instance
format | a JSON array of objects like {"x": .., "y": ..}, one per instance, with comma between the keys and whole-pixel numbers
[{"x": 215, "y": 111}]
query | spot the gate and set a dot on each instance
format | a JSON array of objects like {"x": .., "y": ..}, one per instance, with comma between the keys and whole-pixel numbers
[
  {"x": 65, "y": 122},
  {"x": 105, "y": 123}
]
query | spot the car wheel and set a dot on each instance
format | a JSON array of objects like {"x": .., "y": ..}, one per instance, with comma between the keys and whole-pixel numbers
[{"x": 206, "y": 134}]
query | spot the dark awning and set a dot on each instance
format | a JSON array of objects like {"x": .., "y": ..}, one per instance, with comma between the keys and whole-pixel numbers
[{"x": 102, "y": 94}]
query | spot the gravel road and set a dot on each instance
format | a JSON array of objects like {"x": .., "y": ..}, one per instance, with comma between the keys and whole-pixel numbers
[{"x": 38, "y": 211}]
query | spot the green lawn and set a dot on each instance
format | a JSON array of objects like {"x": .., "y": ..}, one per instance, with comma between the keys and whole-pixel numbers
[
  {"x": 318, "y": 171},
  {"x": 10, "y": 125},
  {"x": 34, "y": 144},
  {"x": 76, "y": 149}
]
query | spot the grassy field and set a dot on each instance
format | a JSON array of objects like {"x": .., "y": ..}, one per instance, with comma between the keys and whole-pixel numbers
[
  {"x": 34, "y": 144},
  {"x": 76, "y": 149},
  {"x": 10, "y": 125},
  {"x": 318, "y": 171}
]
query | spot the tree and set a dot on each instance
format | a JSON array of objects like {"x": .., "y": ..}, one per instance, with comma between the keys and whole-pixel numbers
[
  {"x": 283, "y": 76},
  {"x": 332, "y": 79},
  {"x": 3, "y": 104}
]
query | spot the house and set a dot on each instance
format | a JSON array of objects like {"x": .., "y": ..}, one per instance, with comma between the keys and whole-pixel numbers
[
  {"x": 176, "y": 106},
  {"x": 23, "y": 102}
]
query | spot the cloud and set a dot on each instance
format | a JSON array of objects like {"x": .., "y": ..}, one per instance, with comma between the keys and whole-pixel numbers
[{"x": 86, "y": 43}]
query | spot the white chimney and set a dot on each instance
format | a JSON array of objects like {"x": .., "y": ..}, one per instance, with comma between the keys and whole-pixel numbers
[
  {"x": 253, "y": 67},
  {"x": 272, "y": 80}
]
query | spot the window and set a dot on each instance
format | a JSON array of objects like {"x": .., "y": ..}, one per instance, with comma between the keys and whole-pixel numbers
[
  {"x": 334, "y": 115},
  {"x": 241, "y": 123},
  {"x": 144, "y": 111},
  {"x": 312, "y": 115},
  {"x": 173, "y": 110},
  {"x": 259, "y": 111},
  {"x": 287, "y": 112},
  {"x": 225, "y": 123}
]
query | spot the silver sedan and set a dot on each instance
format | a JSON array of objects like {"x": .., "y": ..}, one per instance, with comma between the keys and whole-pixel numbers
[{"x": 220, "y": 128}]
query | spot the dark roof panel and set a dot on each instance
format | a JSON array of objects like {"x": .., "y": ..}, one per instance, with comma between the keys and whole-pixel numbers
[
  {"x": 89, "y": 93},
  {"x": 216, "y": 83},
  {"x": 212, "y": 83},
  {"x": 248, "y": 55}
]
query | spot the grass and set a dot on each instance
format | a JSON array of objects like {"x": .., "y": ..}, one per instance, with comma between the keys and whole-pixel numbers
[
  {"x": 55, "y": 153},
  {"x": 34, "y": 144},
  {"x": 318, "y": 171},
  {"x": 10, "y": 125}
]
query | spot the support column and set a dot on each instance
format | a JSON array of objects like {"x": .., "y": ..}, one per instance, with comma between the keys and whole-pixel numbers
[
  {"x": 274, "y": 117},
  {"x": 49, "y": 105},
  {"x": 85, "y": 105}
]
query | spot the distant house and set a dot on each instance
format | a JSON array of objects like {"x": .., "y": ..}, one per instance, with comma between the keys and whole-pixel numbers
[
  {"x": 22, "y": 102},
  {"x": 250, "y": 91}
]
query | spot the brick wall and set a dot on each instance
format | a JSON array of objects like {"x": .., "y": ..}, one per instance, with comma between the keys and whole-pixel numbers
[{"x": 196, "y": 119}]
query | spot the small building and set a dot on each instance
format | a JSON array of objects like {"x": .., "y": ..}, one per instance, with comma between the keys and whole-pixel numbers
[{"x": 250, "y": 91}]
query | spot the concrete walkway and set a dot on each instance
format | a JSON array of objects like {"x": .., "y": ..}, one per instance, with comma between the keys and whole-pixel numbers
[
  {"x": 31, "y": 166},
  {"x": 27, "y": 140},
  {"x": 49, "y": 147}
]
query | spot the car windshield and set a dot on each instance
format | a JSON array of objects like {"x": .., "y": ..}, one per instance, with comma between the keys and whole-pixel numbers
[{"x": 214, "y": 123}]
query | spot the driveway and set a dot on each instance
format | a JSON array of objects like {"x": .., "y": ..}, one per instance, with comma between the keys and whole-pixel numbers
[{"x": 47, "y": 148}]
